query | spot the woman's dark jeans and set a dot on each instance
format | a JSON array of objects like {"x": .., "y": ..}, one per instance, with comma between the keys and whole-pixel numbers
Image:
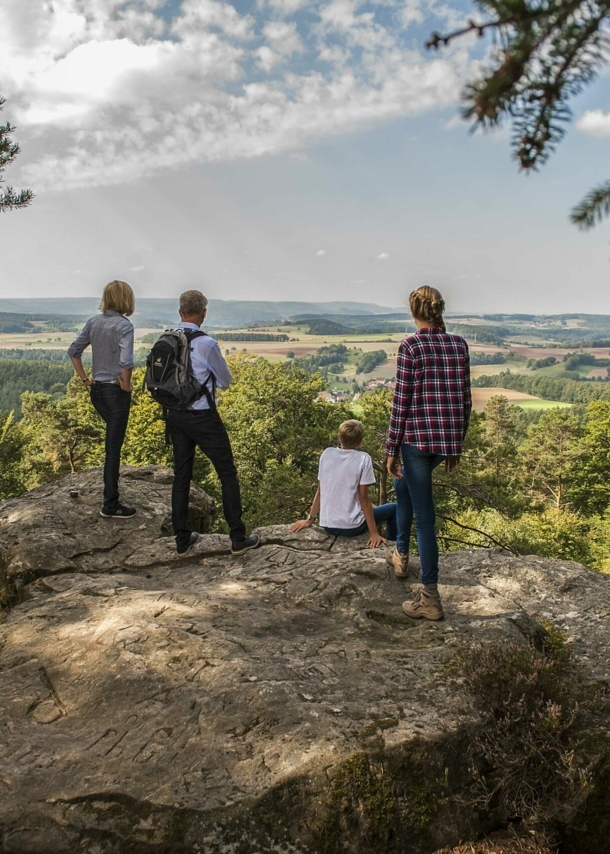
[
  {"x": 417, "y": 499},
  {"x": 383, "y": 513},
  {"x": 112, "y": 405}
]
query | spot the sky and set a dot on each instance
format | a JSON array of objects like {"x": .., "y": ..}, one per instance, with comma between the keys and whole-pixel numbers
[{"x": 282, "y": 149}]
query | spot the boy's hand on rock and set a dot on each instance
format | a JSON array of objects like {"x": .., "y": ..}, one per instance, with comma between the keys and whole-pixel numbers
[
  {"x": 298, "y": 526},
  {"x": 375, "y": 540}
]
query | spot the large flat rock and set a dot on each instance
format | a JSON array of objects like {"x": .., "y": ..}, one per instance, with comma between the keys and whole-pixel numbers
[
  {"x": 211, "y": 706},
  {"x": 58, "y": 528}
]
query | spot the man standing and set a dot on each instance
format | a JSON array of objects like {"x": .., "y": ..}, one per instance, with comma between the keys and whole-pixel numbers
[{"x": 200, "y": 425}]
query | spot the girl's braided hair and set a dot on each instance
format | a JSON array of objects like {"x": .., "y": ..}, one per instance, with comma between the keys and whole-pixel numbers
[{"x": 428, "y": 305}]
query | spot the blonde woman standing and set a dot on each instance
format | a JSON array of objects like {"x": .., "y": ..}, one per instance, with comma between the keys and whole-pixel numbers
[
  {"x": 430, "y": 415},
  {"x": 110, "y": 335}
]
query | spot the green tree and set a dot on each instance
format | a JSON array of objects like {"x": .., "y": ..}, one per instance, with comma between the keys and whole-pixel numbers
[
  {"x": 499, "y": 431},
  {"x": 550, "y": 456},
  {"x": 64, "y": 434},
  {"x": 145, "y": 441},
  {"x": 12, "y": 446},
  {"x": 591, "y": 491},
  {"x": 9, "y": 198},
  {"x": 376, "y": 409},
  {"x": 278, "y": 429},
  {"x": 549, "y": 533},
  {"x": 545, "y": 53}
]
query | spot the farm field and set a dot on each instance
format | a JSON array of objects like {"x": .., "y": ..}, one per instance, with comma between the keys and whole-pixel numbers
[
  {"x": 490, "y": 370},
  {"x": 42, "y": 341},
  {"x": 305, "y": 344},
  {"x": 482, "y": 396}
]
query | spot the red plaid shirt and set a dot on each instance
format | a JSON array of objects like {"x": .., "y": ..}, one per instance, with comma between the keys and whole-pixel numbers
[{"x": 432, "y": 399}]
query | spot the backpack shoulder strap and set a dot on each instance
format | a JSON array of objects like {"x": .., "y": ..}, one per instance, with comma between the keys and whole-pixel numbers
[{"x": 204, "y": 391}]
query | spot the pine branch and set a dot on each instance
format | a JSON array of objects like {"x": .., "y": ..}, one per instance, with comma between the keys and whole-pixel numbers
[
  {"x": 549, "y": 50},
  {"x": 593, "y": 208},
  {"x": 11, "y": 200}
]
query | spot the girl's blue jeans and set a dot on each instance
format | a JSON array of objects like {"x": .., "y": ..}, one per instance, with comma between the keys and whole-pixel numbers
[{"x": 414, "y": 498}]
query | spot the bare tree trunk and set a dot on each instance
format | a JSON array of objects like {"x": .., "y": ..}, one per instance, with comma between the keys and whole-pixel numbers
[{"x": 383, "y": 483}]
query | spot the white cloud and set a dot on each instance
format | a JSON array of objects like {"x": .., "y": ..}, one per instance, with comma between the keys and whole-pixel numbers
[
  {"x": 321, "y": 252},
  {"x": 284, "y": 37},
  {"x": 113, "y": 92},
  {"x": 285, "y": 7},
  {"x": 266, "y": 57},
  {"x": 595, "y": 123},
  {"x": 440, "y": 14},
  {"x": 137, "y": 269},
  {"x": 383, "y": 256}
]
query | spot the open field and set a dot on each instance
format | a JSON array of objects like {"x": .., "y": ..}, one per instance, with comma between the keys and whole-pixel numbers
[
  {"x": 530, "y": 352},
  {"x": 305, "y": 344},
  {"x": 482, "y": 396},
  {"x": 539, "y": 403},
  {"x": 490, "y": 370},
  {"x": 41, "y": 341}
]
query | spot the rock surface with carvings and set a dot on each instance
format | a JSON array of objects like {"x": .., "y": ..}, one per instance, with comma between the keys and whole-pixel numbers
[
  {"x": 211, "y": 703},
  {"x": 58, "y": 528}
]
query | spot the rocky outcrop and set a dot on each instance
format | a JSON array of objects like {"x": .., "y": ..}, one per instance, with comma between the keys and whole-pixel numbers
[
  {"x": 275, "y": 702},
  {"x": 58, "y": 528}
]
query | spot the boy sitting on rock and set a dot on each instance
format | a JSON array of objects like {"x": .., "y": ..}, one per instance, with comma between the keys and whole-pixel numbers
[{"x": 342, "y": 499}]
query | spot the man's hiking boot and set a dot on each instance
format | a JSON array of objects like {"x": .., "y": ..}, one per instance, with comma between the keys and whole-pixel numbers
[
  {"x": 240, "y": 546},
  {"x": 118, "y": 512},
  {"x": 398, "y": 561},
  {"x": 184, "y": 548},
  {"x": 426, "y": 605}
]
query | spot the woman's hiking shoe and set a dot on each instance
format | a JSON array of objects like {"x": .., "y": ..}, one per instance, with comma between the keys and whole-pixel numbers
[
  {"x": 398, "y": 561},
  {"x": 184, "y": 548},
  {"x": 118, "y": 512},
  {"x": 426, "y": 605},
  {"x": 240, "y": 546}
]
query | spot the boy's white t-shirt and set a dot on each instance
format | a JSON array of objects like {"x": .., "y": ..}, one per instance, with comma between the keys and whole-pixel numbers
[{"x": 340, "y": 472}]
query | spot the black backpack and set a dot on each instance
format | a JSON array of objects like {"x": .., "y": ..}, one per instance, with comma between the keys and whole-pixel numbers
[{"x": 169, "y": 374}]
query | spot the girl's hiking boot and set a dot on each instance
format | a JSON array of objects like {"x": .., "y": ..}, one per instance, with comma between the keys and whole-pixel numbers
[
  {"x": 426, "y": 605},
  {"x": 118, "y": 512},
  {"x": 398, "y": 561},
  {"x": 240, "y": 546}
]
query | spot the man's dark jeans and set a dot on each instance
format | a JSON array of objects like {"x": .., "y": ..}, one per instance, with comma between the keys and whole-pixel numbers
[
  {"x": 189, "y": 429},
  {"x": 112, "y": 405}
]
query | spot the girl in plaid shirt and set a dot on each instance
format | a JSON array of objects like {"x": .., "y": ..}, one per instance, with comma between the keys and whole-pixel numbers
[{"x": 430, "y": 415}]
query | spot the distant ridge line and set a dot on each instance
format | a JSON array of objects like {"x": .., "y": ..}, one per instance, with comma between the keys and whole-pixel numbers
[{"x": 225, "y": 313}]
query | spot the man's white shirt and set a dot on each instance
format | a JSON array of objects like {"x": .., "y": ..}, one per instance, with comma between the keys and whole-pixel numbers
[{"x": 207, "y": 359}]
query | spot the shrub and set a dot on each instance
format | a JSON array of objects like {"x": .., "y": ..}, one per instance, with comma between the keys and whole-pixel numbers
[{"x": 528, "y": 753}]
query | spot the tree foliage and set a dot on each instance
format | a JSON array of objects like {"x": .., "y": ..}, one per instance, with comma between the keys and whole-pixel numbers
[
  {"x": 64, "y": 433},
  {"x": 10, "y": 199},
  {"x": 19, "y": 375},
  {"x": 277, "y": 429},
  {"x": 12, "y": 446},
  {"x": 545, "y": 53}
]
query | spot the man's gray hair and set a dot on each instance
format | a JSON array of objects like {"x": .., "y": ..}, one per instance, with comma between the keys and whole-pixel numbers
[{"x": 193, "y": 302}]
